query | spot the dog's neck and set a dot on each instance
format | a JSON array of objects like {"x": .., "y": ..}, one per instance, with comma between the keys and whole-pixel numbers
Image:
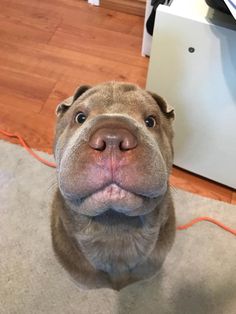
[{"x": 135, "y": 237}]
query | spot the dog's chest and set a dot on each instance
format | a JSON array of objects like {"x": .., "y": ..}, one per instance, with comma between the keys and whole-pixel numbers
[{"x": 114, "y": 250}]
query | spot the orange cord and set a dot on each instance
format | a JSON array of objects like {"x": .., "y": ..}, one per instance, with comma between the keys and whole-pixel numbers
[
  {"x": 50, "y": 164},
  {"x": 23, "y": 143},
  {"x": 196, "y": 220}
]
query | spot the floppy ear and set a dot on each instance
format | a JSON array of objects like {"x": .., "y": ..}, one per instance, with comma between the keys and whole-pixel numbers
[
  {"x": 67, "y": 103},
  {"x": 164, "y": 106}
]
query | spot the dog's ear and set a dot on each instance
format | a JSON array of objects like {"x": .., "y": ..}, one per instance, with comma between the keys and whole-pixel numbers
[
  {"x": 68, "y": 102},
  {"x": 164, "y": 106}
]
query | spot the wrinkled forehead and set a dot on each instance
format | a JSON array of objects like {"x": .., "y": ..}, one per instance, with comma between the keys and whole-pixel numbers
[{"x": 123, "y": 98}]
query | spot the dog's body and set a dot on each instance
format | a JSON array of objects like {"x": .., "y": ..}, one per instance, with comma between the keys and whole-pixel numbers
[{"x": 113, "y": 219}]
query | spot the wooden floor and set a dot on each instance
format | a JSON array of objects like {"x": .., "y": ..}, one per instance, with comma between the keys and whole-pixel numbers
[{"x": 49, "y": 47}]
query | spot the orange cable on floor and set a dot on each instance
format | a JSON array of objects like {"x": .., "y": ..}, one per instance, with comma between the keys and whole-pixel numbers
[
  {"x": 214, "y": 221},
  {"x": 29, "y": 150},
  {"x": 50, "y": 164}
]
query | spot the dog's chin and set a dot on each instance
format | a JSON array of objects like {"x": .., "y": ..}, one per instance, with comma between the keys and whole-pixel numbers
[{"x": 112, "y": 198}]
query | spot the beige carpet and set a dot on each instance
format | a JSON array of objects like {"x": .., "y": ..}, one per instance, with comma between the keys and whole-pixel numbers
[{"x": 199, "y": 275}]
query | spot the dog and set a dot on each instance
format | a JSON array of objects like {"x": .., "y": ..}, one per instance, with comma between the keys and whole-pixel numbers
[{"x": 113, "y": 219}]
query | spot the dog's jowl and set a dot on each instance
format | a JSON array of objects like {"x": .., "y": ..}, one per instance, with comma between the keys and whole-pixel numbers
[{"x": 113, "y": 218}]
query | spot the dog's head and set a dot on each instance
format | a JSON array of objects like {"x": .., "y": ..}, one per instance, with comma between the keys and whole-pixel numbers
[{"x": 113, "y": 149}]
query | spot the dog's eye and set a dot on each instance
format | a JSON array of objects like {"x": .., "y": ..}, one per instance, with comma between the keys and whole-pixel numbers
[
  {"x": 150, "y": 122},
  {"x": 80, "y": 117}
]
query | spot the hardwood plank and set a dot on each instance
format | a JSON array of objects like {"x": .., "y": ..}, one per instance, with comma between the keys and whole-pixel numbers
[
  {"x": 49, "y": 5},
  {"x": 20, "y": 14},
  {"x": 120, "y": 22},
  {"x": 198, "y": 185},
  {"x": 14, "y": 30},
  {"x": 233, "y": 200},
  {"x": 30, "y": 58},
  {"x": 55, "y": 63},
  {"x": 136, "y": 7},
  {"x": 25, "y": 91},
  {"x": 35, "y": 128},
  {"x": 104, "y": 19},
  {"x": 75, "y": 12},
  {"x": 105, "y": 44}
]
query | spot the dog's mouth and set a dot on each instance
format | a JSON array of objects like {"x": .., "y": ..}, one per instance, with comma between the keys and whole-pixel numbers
[
  {"x": 113, "y": 218},
  {"x": 115, "y": 199}
]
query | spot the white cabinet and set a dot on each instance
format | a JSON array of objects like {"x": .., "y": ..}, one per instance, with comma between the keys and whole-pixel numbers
[{"x": 193, "y": 66}]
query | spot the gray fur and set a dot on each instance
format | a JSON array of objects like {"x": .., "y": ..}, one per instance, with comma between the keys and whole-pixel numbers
[{"x": 113, "y": 218}]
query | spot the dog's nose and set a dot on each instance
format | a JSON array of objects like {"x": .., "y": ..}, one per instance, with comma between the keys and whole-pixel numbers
[{"x": 117, "y": 138}]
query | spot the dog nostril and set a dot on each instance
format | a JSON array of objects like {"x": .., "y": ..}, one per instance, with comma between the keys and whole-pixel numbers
[
  {"x": 100, "y": 147},
  {"x": 119, "y": 139},
  {"x": 97, "y": 143},
  {"x": 128, "y": 143}
]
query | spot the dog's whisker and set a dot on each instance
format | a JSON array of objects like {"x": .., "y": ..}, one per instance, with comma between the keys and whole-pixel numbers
[
  {"x": 52, "y": 185},
  {"x": 173, "y": 188}
]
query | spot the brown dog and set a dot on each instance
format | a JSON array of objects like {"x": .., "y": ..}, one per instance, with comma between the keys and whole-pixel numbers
[{"x": 113, "y": 219}]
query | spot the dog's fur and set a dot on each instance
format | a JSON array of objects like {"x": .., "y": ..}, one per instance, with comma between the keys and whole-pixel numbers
[{"x": 113, "y": 218}]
